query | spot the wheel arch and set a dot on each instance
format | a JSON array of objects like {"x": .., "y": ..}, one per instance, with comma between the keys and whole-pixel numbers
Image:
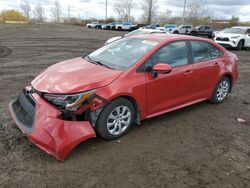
[
  {"x": 137, "y": 118},
  {"x": 243, "y": 40}
]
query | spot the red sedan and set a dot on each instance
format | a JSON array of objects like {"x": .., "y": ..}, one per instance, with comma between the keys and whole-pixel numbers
[{"x": 118, "y": 85}]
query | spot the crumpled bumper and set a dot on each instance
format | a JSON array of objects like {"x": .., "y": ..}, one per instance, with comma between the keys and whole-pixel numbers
[{"x": 40, "y": 122}]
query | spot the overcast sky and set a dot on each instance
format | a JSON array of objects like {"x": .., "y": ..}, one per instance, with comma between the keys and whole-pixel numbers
[{"x": 96, "y": 8}]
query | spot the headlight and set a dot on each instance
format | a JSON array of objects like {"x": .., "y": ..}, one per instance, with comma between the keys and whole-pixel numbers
[
  {"x": 235, "y": 37},
  {"x": 69, "y": 102}
]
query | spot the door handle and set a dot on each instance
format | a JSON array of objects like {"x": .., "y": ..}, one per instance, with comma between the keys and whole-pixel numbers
[{"x": 187, "y": 72}]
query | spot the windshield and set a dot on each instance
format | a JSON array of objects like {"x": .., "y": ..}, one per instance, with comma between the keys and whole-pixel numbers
[
  {"x": 235, "y": 30},
  {"x": 124, "y": 53}
]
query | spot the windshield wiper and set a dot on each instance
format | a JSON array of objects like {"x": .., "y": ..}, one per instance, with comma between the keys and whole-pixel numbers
[{"x": 97, "y": 62}]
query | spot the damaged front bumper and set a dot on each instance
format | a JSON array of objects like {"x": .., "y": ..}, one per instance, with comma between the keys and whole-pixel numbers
[{"x": 41, "y": 123}]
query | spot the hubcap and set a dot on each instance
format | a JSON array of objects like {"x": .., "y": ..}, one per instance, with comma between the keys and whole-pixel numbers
[
  {"x": 118, "y": 120},
  {"x": 222, "y": 90}
]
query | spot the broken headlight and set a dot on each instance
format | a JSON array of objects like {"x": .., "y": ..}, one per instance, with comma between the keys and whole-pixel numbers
[{"x": 69, "y": 102}]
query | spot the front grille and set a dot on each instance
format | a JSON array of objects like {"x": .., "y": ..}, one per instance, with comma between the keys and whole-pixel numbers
[
  {"x": 24, "y": 108},
  {"x": 222, "y": 39},
  {"x": 227, "y": 46}
]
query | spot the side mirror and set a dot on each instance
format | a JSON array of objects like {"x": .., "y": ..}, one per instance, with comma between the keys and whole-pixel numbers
[{"x": 162, "y": 68}]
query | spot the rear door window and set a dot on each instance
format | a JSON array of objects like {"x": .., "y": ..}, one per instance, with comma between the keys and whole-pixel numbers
[
  {"x": 215, "y": 52},
  {"x": 200, "y": 51},
  {"x": 203, "y": 51}
]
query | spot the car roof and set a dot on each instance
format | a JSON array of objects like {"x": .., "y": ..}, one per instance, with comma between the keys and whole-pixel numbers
[
  {"x": 168, "y": 37},
  {"x": 150, "y": 30}
]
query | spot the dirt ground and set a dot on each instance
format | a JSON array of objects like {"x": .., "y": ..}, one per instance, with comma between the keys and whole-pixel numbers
[{"x": 198, "y": 146}]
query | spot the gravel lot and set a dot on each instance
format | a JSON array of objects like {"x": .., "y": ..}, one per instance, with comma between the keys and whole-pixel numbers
[{"x": 198, "y": 146}]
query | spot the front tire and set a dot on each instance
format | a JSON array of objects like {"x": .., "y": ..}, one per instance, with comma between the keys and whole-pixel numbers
[
  {"x": 115, "y": 119},
  {"x": 221, "y": 91},
  {"x": 240, "y": 45},
  {"x": 193, "y": 33}
]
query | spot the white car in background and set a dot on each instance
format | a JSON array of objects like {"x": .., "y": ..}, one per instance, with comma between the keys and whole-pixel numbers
[
  {"x": 140, "y": 31},
  {"x": 92, "y": 24},
  {"x": 234, "y": 37},
  {"x": 104, "y": 26},
  {"x": 183, "y": 29},
  {"x": 168, "y": 27},
  {"x": 125, "y": 26}
]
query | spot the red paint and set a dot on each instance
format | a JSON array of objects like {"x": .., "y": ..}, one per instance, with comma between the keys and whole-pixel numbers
[
  {"x": 73, "y": 76},
  {"x": 176, "y": 88}
]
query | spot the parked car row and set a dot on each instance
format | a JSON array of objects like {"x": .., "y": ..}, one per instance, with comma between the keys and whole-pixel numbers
[
  {"x": 113, "y": 26},
  {"x": 202, "y": 30},
  {"x": 235, "y": 37}
]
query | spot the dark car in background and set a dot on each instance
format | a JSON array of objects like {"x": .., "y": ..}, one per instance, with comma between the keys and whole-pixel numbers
[
  {"x": 202, "y": 30},
  {"x": 138, "y": 26}
]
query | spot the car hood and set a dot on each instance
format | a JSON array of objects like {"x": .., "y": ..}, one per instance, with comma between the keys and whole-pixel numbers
[
  {"x": 229, "y": 35},
  {"x": 73, "y": 76}
]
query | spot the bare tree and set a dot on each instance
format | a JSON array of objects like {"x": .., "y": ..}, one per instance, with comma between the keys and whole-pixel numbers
[
  {"x": 25, "y": 6},
  {"x": 123, "y": 9},
  {"x": 197, "y": 12},
  {"x": 149, "y": 10},
  {"x": 39, "y": 13},
  {"x": 56, "y": 11},
  {"x": 163, "y": 17}
]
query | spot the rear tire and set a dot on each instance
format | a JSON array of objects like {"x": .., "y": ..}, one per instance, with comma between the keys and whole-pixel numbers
[
  {"x": 221, "y": 91},
  {"x": 176, "y": 32},
  {"x": 115, "y": 119}
]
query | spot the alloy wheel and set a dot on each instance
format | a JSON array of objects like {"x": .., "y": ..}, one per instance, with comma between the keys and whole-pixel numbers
[
  {"x": 222, "y": 90},
  {"x": 118, "y": 120}
]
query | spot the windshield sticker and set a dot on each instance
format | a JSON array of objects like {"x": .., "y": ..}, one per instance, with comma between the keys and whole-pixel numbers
[{"x": 153, "y": 43}]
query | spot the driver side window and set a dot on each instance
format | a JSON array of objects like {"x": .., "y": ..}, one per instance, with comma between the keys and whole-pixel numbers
[{"x": 174, "y": 54}]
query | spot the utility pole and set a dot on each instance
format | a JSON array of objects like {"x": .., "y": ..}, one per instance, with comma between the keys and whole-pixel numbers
[
  {"x": 106, "y": 11},
  {"x": 183, "y": 15},
  {"x": 68, "y": 12}
]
